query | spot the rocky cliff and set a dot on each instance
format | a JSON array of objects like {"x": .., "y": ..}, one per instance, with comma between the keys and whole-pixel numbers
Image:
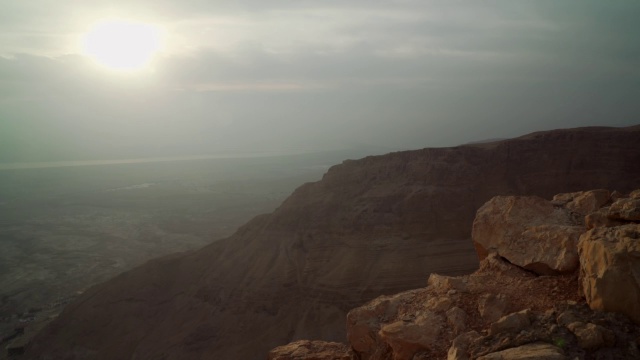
[
  {"x": 541, "y": 291},
  {"x": 373, "y": 226}
]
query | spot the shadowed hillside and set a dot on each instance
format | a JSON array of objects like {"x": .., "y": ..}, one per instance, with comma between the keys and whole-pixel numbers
[{"x": 373, "y": 226}]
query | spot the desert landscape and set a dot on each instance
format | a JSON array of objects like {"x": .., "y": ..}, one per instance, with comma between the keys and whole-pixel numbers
[
  {"x": 374, "y": 226},
  {"x": 64, "y": 229},
  {"x": 319, "y": 180}
]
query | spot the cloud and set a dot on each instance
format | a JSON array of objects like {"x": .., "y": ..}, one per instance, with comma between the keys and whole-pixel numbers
[{"x": 270, "y": 75}]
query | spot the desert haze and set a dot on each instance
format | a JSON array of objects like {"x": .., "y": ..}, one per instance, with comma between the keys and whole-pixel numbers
[
  {"x": 373, "y": 226},
  {"x": 301, "y": 179}
]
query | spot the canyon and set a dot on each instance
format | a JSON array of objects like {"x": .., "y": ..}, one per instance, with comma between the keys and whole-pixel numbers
[{"x": 375, "y": 226}]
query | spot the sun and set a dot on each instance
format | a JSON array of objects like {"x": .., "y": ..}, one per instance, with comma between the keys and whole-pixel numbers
[{"x": 121, "y": 44}]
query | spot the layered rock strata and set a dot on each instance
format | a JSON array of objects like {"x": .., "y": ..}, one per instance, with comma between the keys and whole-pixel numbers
[{"x": 373, "y": 226}]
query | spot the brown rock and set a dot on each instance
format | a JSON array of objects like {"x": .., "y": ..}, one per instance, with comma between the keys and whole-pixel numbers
[
  {"x": 588, "y": 201},
  {"x": 492, "y": 307},
  {"x": 363, "y": 324},
  {"x": 440, "y": 303},
  {"x": 592, "y": 336},
  {"x": 615, "y": 195},
  {"x": 626, "y": 209},
  {"x": 529, "y": 232},
  {"x": 442, "y": 283},
  {"x": 534, "y": 351},
  {"x": 457, "y": 319},
  {"x": 311, "y": 350},
  {"x": 600, "y": 218},
  {"x": 564, "y": 198},
  {"x": 566, "y": 317},
  {"x": 406, "y": 338},
  {"x": 610, "y": 268},
  {"x": 513, "y": 323},
  {"x": 458, "y": 349},
  {"x": 494, "y": 264}
]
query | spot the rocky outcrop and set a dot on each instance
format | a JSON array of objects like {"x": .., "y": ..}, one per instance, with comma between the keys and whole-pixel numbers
[
  {"x": 610, "y": 269},
  {"x": 431, "y": 322},
  {"x": 505, "y": 311},
  {"x": 375, "y": 226},
  {"x": 531, "y": 232}
]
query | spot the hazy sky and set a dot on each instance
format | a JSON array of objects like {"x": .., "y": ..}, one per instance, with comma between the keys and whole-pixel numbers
[{"x": 278, "y": 75}]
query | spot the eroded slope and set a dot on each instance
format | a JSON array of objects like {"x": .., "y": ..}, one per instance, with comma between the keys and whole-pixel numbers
[{"x": 373, "y": 226}]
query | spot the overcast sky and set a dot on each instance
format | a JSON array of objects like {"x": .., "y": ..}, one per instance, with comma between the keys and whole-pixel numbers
[{"x": 309, "y": 75}]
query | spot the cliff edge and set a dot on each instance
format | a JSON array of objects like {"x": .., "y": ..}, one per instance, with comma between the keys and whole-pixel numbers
[
  {"x": 374, "y": 226},
  {"x": 552, "y": 285}
]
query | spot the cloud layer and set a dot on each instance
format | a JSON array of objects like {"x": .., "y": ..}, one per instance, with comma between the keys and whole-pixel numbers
[{"x": 295, "y": 75}]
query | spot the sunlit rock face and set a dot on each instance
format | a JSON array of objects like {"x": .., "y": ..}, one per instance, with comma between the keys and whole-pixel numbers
[
  {"x": 373, "y": 226},
  {"x": 610, "y": 269},
  {"x": 529, "y": 232}
]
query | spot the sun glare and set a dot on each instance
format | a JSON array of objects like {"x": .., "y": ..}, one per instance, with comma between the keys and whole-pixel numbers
[{"x": 122, "y": 45}]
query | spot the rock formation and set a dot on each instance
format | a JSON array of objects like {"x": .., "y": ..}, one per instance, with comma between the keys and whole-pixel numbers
[
  {"x": 529, "y": 232},
  {"x": 610, "y": 269},
  {"x": 505, "y": 311},
  {"x": 373, "y": 226}
]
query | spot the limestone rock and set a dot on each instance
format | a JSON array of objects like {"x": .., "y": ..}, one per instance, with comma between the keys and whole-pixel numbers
[
  {"x": 610, "y": 269},
  {"x": 492, "y": 307},
  {"x": 442, "y": 283},
  {"x": 440, "y": 303},
  {"x": 363, "y": 324},
  {"x": 529, "y": 232},
  {"x": 566, "y": 317},
  {"x": 564, "y": 198},
  {"x": 457, "y": 319},
  {"x": 627, "y": 209},
  {"x": 601, "y": 218},
  {"x": 311, "y": 350},
  {"x": 493, "y": 265},
  {"x": 513, "y": 323},
  {"x": 534, "y": 351},
  {"x": 587, "y": 202},
  {"x": 591, "y": 336},
  {"x": 406, "y": 338},
  {"x": 458, "y": 349}
]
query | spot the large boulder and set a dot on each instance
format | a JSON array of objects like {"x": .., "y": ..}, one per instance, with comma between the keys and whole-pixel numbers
[
  {"x": 610, "y": 269},
  {"x": 529, "y": 232}
]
